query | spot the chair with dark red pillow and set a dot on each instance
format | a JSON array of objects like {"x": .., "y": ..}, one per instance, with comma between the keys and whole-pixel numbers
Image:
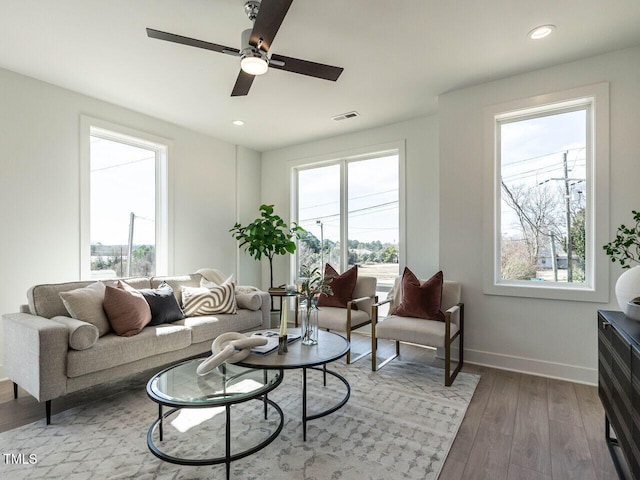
[
  {"x": 349, "y": 307},
  {"x": 428, "y": 313}
]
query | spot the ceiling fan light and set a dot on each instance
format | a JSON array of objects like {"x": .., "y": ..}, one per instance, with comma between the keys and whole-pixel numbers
[{"x": 254, "y": 65}]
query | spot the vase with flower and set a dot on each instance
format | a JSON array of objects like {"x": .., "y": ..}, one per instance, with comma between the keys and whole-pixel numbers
[
  {"x": 312, "y": 285},
  {"x": 625, "y": 249}
]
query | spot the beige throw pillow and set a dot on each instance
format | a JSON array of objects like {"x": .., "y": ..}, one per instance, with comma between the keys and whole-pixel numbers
[{"x": 86, "y": 304}]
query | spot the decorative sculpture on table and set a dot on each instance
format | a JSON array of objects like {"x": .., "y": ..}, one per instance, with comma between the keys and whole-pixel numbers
[{"x": 229, "y": 347}]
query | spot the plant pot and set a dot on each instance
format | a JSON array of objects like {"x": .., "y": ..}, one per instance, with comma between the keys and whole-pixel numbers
[{"x": 628, "y": 288}]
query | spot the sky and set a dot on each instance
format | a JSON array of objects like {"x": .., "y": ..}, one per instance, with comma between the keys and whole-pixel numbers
[
  {"x": 122, "y": 181},
  {"x": 373, "y": 200},
  {"x": 532, "y": 154}
]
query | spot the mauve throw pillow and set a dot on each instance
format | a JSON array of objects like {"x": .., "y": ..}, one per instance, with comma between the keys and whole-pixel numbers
[
  {"x": 163, "y": 304},
  {"x": 127, "y": 310},
  {"x": 342, "y": 287},
  {"x": 421, "y": 300}
]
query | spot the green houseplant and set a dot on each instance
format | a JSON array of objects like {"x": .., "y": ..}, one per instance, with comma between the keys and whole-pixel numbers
[
  {"x": 267, "y": 236},
  {"x": 625, "y": 249}
]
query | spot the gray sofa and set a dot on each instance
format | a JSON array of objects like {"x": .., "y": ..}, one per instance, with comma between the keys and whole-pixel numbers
[{"x": 39, "y": 358}]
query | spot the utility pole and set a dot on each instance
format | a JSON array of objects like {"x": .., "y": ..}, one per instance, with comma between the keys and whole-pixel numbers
[
  {"x": 567, "y": 203},
  {"x": 554, "y": 260}
]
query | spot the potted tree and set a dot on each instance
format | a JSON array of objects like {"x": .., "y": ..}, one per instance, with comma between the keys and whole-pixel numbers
[
  {"x": 625, "y": 249},
  {"x": 267, "y": 236}
]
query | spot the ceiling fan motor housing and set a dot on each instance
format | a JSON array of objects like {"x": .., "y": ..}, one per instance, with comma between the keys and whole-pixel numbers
[
  {"x": 251, "y": 9},
  {"x": 249, "y": 52}
]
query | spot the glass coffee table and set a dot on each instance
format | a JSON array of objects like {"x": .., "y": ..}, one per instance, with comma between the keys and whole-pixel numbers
[
  {"x": 330, "y": 348},
  {"x": 180, "y": 387}
]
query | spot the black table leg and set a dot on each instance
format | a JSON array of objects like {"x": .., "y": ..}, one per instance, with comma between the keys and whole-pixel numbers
[
  {"x": 228, "y": 441},
  {"x": 304, "y": 404},
  {"x": 161, "y": 420}
]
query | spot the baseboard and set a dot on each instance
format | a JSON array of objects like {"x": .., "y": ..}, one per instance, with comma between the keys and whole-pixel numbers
[{"x": 541, "y": 368}]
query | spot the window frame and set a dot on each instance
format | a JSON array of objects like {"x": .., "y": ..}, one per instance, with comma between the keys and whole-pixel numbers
[
  {"x": 342, "y": 159},
  {"x": 596, "y": 100},
  {"x": 163, "y": 147}
]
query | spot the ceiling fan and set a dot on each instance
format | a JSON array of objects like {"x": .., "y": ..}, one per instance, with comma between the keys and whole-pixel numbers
[{"x": 254, "y": 58}]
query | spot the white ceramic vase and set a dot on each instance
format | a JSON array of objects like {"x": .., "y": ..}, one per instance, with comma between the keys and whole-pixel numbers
[{"x": 628, "y": 288}]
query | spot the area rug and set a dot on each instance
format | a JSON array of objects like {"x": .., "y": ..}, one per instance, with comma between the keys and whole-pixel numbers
[{"x": 399, "y": 423}]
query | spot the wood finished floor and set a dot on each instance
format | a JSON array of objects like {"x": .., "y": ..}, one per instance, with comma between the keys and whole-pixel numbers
[{"x": 517, "y": 426}]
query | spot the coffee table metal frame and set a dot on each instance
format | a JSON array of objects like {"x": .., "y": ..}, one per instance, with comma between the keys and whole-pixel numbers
[
  {"x": 217, "y": 401},
  {"x": 311, "y": 358}
]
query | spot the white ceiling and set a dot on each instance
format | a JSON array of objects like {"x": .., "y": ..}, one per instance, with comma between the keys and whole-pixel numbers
[{"x": 398, "y": 56}]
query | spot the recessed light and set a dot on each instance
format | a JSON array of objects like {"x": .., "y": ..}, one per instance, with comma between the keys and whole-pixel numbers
[
  {"x": 238, "y": 123},
  {"x": 541, "y": 32}
]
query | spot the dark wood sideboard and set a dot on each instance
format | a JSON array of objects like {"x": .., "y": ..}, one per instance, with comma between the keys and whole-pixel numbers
[{"x": 619, "y": 386}]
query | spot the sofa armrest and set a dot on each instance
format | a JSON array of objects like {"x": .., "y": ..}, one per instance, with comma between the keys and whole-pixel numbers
[
  {"x": 35, "y": 354},
  {"x": 266, "y": 309}
]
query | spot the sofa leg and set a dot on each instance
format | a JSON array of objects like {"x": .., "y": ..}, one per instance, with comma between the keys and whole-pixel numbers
[
  {"x": 47, "y": 406},
  {"x": 15, "y": 390}
]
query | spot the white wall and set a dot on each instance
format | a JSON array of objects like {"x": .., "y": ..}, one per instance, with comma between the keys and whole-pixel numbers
[
  {"x": 39, "y": 188},
  {"x": 420, "y": 138},
  {"x": 548, "y": 337}
]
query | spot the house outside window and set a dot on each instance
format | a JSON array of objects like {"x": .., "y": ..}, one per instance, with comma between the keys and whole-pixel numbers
[
  {"x": 124, "y": 214},
  {"x": 548, "y": 202}
]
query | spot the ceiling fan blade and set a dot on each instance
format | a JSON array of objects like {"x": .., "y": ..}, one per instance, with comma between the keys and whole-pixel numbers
[
  {"x": 270, "y": 17},
  {"x": 191, "y": 42},
  {"x": 305, "y": 67},
  {"x": 243, "y": 84}
]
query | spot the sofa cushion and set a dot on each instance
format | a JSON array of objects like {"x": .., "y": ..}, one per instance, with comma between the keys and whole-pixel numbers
[
  {"x": 86, "y": 304},
  {"x": 82, "y": 335},
  {"x": 112, "y": 350},
  {"x": 209, "y": 301},
  {"x": 206, "y": 328},
  {"x": 127, "y": 310},
  {"x": 44, "y": 300},
  {"x": 163, "y": 304}
]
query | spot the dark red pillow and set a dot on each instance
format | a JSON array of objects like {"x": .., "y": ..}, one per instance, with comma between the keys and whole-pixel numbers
[
  {"x": 341, "y": 285},
  {"x": 421, "y": 301}
]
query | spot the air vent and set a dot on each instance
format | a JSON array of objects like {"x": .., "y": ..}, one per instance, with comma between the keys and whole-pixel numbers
[{"x": 344, "y": 116}]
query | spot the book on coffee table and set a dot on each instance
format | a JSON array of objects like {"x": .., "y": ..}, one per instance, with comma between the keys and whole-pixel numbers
[{"x": 272, "y": 341}]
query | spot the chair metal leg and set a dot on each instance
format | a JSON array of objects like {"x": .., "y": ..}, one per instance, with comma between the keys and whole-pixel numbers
[
  {"x": 392, "y": 357},
  {"x": 449, "y": 377}
]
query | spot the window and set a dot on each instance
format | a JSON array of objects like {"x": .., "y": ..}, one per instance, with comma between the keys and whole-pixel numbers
[
  {"x": 125, "y": 204},
  {"x": 550, "y": 161},
  {"x": 351, "y": 211}
]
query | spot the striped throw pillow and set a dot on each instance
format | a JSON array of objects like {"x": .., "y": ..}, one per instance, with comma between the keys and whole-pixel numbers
[{"x": 208, "y": 301}]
